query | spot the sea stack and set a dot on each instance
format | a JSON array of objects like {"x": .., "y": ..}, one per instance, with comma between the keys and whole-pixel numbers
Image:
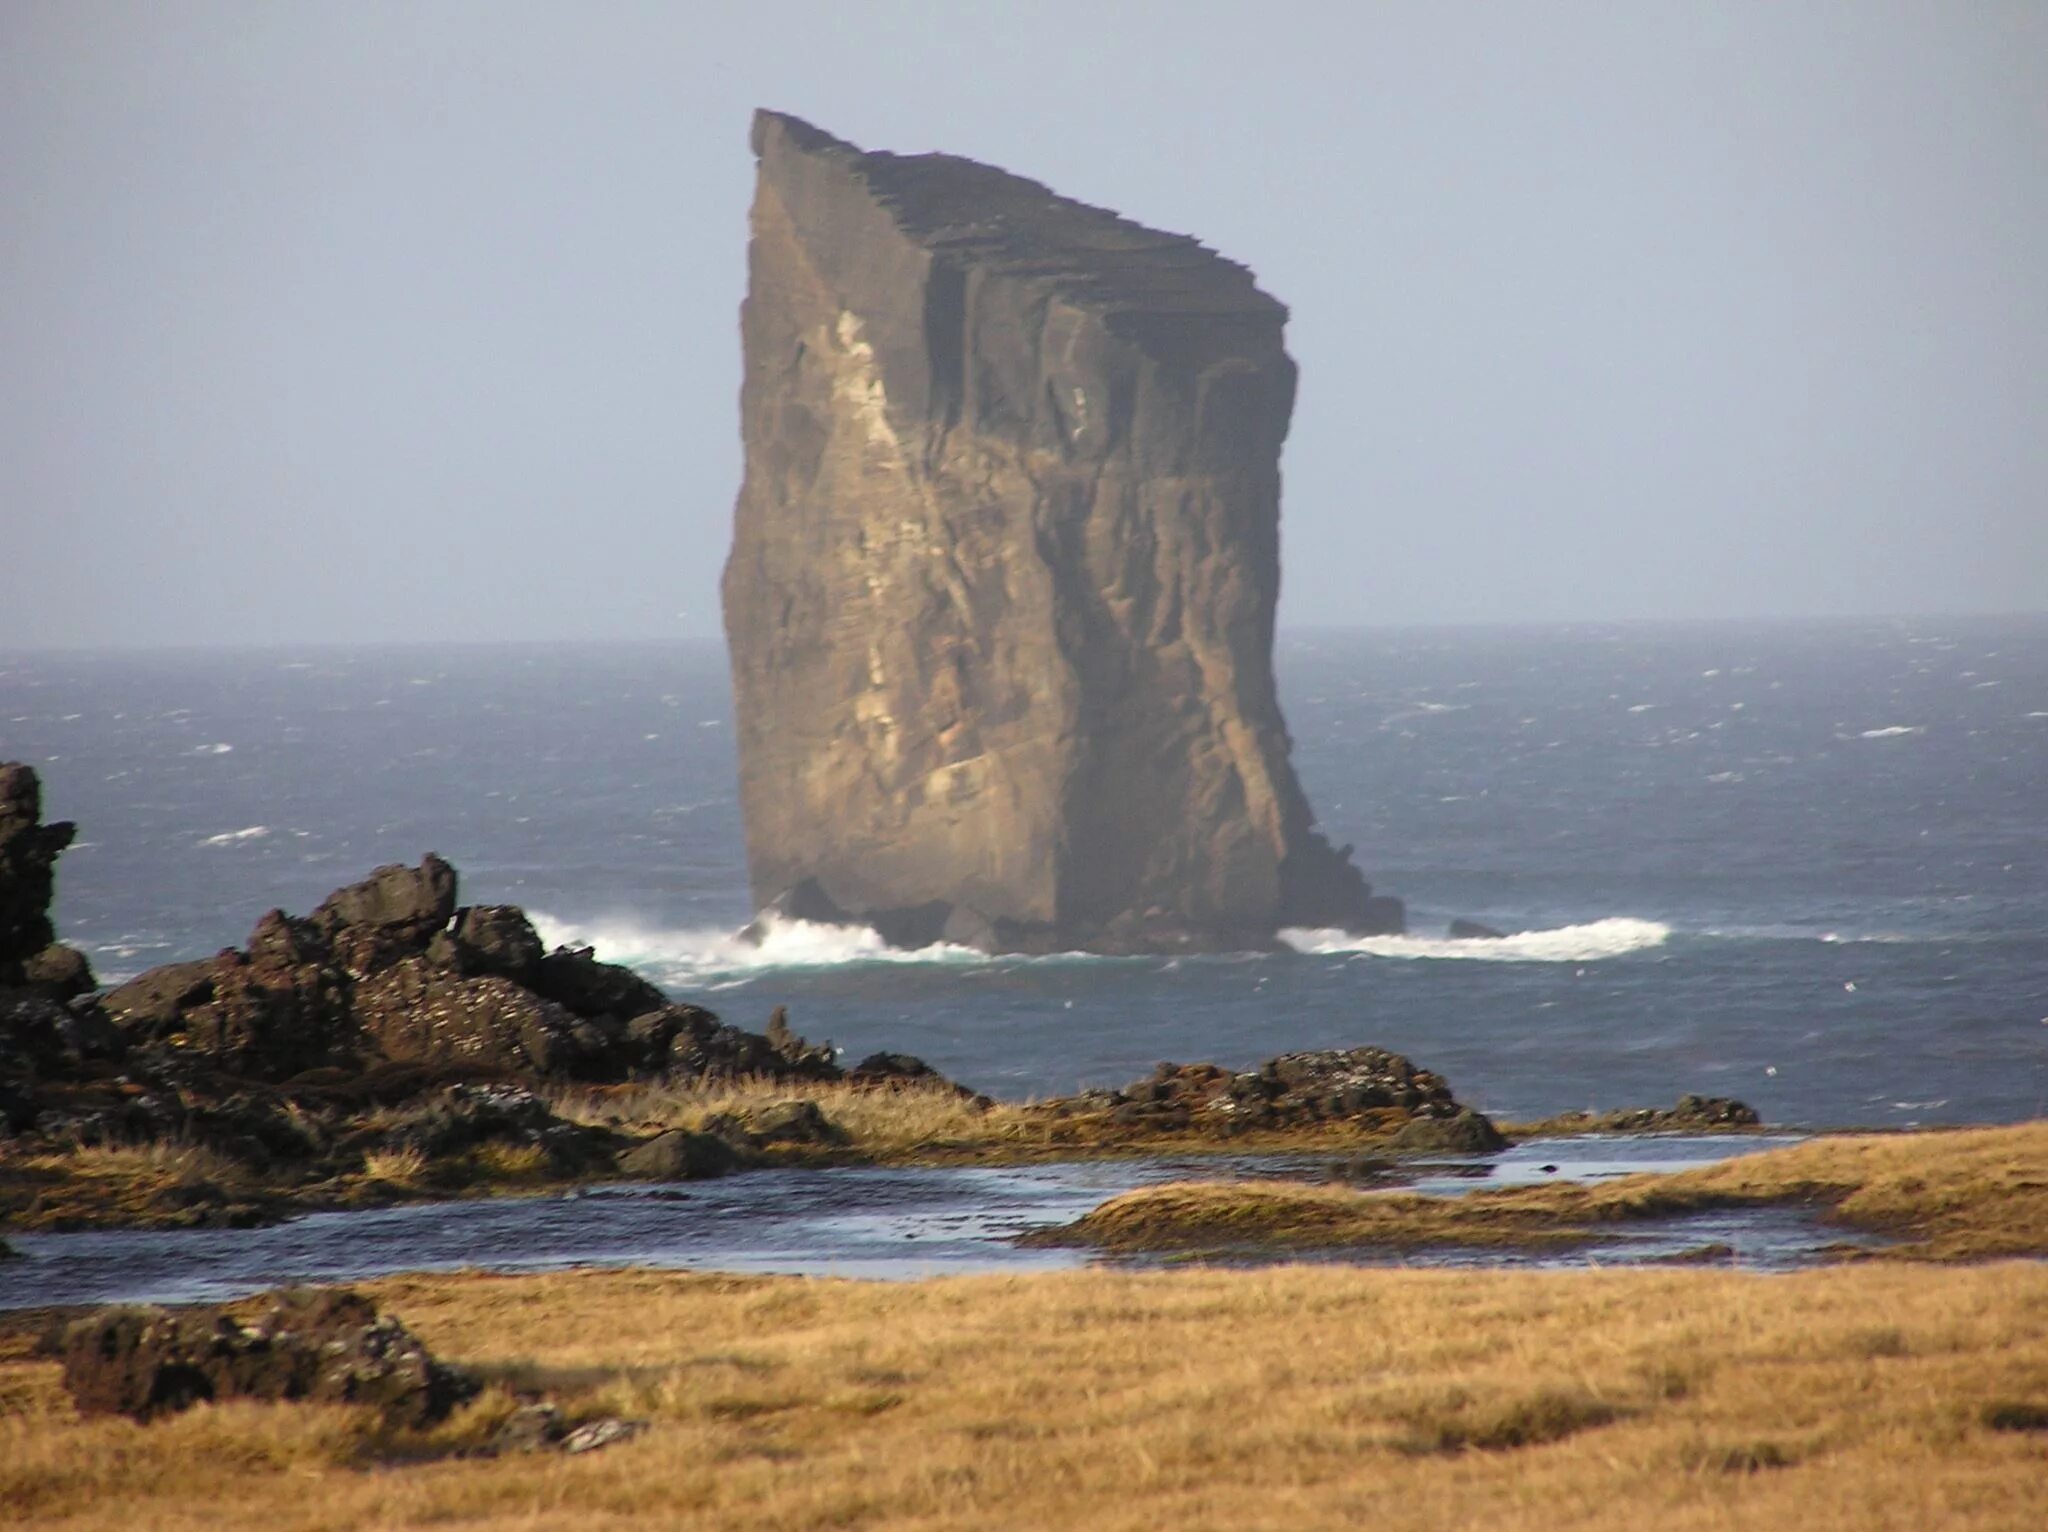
[{"x": 1001, "y": 592}]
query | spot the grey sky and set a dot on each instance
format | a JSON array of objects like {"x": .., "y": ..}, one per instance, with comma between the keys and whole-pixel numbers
[{"x": 418, "y": 321}]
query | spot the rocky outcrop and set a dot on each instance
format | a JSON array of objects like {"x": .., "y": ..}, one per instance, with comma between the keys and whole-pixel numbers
[
  {"x": 390, "y": 1021},
  {"x": 30, "y": 955},
  {"x": 391, "y": 970},
  {"x": 1001, "y": 593},
  {"x": 1368, "y": 1086}
]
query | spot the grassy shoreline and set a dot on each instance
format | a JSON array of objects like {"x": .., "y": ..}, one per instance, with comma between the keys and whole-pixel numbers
[
  {"x": 168, "y": 1185},
  {"x": 1942, "y": 1195},
  {"x": 1852, "y": 1397},
  {"x": 1872, "y": 1394}
]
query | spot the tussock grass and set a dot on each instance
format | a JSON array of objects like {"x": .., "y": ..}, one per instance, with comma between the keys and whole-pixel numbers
[
  {"x": 154, "y": 1182},
  {"x": 890, "y": 1125},
  {"x": 1305, "y": 1397},
  {"x": 396, "y": 1167},
  {"x": 925, "y": 1125},
  {"x": 1968, "y": 1194}
]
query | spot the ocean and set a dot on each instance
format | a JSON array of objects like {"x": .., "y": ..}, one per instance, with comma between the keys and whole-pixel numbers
[{"x": 1803, "y": 864}]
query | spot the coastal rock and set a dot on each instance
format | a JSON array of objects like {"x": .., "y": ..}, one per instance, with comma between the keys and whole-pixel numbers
[
  {"x": 416, "y": 1012},
  {"x": 1290, "y": 1090},
  {"x": 391, "y": 915},
  {"x": 574, "y": 978},
  {"x": 497, "y": 939},
  {"x": 462, "y": 1117},
  {"x": 327, "y": 1346},
  {"x": 1463, "y": 1132},
  {"x": 1691, "y": 1114},
  {"x": 1001, "y": 592},
  {"x": 31, "y": 957},
  {"x": 1472, "y": 931},
  {"x": 679, "y": 1155}
]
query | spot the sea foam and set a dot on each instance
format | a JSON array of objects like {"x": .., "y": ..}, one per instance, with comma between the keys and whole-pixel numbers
[
  {"x": 696, "y": 955},
  {"x": 1614, "y": 937}
]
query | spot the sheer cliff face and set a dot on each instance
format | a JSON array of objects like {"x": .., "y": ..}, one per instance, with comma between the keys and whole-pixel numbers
[{"x": 1000, "y": 599}]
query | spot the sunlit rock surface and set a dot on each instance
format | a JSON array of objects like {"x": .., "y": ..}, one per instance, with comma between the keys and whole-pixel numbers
[{"x": 1000, "y": 599}]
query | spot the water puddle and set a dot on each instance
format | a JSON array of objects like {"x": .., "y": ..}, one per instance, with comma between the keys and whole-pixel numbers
[{"x": 848, "y": 1222}]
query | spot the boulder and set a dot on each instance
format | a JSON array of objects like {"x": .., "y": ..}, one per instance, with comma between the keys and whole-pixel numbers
[
  {"x": 151, "y": 1005},
  {"x": 459, "y": 1118},
  {"x": 1463, "y": 1132},
  {"x": 780, "y": 1122},
  {"x": 327, "y": 1346},
  {"x": 390, "y": 915},
  {"x": 573, "y": 977},
  {"x": 497, "y": 939},
  {"x": 680, "y": 1155}
]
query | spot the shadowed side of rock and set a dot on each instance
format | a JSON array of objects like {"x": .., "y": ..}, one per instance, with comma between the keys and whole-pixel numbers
[
  {"x": 319, "y": 1346},
  {"x": 1005, "y": 561}
]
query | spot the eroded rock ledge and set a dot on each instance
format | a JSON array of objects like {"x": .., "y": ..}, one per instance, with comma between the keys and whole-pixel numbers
[{"x": 1001, "y": 593}]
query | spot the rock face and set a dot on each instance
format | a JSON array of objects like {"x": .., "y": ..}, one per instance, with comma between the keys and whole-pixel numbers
[{"x": 1001, "y": 593}]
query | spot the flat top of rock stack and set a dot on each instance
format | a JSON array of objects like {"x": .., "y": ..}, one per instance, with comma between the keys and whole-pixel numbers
[{"x": 978, "y": 215}]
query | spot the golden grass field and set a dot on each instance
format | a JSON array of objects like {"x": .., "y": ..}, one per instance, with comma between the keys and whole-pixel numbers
[
  {"x": 1873, "y": 1395},
  {"x": 1292, "y": 1397}
]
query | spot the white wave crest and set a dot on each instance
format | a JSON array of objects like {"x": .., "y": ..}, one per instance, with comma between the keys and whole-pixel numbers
[
  {"x": 1613, "y": 937},
  {"x": 236, "y": 837},
  {"x": 692, "y": 956},
  {"x": 1896, "y": 731}
]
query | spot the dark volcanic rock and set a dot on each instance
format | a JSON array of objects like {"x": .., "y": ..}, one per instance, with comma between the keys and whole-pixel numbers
[
  {"x": 1690, "y": 1114},
  {"x": 497, "y": 939},
  {"x": 1473, "y": 931},
  {"x": 573, "y": 977},
  {"x": 325, "y": 1346},
  {"x": 779, "y": 1122},
  {"x": 30, "y": 955},
  {"x": 1000, "y": 599},
  {"x": 1464, "y": 1132},
  {"x": 391, "y": 915},
  {"x": 416, "y": 1012},
  {"x": 679, "y": 1155},
  {"x": 1292, "y": 1090},
  {"x": 464, "y": 1116}
]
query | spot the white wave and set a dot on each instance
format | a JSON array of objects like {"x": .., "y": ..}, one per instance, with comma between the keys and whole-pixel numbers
[
  {"x": 1895, "y": 731},
  {"x": 693, "y": 955},
  {"x": 1613, "y": 937},
  {"x": 236, "y": 837}
]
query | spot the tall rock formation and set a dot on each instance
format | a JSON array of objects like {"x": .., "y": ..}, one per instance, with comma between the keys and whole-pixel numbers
[{"x": 1000, "y": 599}]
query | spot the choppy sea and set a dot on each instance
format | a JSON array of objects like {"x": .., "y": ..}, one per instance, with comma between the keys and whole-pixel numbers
[{"x": 1805, "y": 864}]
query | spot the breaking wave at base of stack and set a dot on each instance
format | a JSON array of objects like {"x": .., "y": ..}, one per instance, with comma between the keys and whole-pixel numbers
[{"x": 1616, "y": 936}]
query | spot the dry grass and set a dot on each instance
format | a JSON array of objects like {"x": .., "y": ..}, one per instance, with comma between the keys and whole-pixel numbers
[
  {"x": 1856, "y": 1397},
  {"x": 140, "y": 1184},
  {"x": 880, "y": 1124},
  {"x": 396, "y": 1167},
  {"x": 1968, "y": 1194},
  {"x": 936, "y": 1127}
]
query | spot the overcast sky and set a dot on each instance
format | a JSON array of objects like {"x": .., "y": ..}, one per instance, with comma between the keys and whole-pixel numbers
[{"x": 419, "y": 320}]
